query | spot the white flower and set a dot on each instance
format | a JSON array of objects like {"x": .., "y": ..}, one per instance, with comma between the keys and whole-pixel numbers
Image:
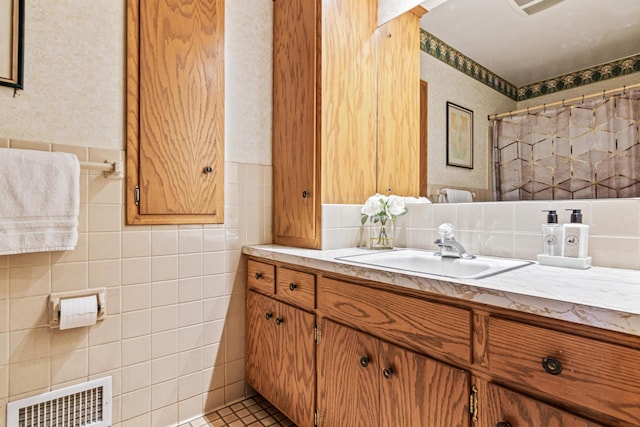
[
  {"x": 375, "y": 205},
  {"x": 395, "y": 206},
  {"x": 383, "y": 207}
]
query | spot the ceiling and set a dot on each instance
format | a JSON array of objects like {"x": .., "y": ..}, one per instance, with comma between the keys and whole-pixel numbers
[{"x": 523, "y": 49}]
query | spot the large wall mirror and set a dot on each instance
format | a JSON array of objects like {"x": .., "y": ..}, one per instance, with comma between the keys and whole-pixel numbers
[{"x": 496, "y": 57}]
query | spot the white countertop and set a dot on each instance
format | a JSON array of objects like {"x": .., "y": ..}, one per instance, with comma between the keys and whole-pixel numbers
[{"x": 607, "y": 298}]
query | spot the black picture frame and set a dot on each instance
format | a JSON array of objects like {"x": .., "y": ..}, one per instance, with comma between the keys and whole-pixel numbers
[
  {"x": 12, "y": 45},
  {"x": 459, "y": 136}
]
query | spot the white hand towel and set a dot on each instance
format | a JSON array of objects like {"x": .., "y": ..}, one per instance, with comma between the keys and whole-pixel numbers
[
  {"x": 39, "y": 201},
  {"x": 457, "y": 196}
]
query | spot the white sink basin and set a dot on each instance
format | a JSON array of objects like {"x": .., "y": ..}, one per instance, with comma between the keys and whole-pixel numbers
[{"x": 426, "y": 262}]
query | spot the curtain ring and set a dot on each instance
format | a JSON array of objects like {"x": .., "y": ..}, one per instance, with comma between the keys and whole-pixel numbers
[
  {"x": 563, "y": 103},
  {"x": 604, "y": 92},
  {"x": 582, "y": 102},
  {"x": 527, "y": 111},
  {"x": 544, "y": 108},
  {"x": 624, "y": 89}
]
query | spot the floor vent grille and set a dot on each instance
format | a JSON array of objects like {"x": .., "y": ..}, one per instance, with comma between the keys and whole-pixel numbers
[{"x": 87, "y": 404}]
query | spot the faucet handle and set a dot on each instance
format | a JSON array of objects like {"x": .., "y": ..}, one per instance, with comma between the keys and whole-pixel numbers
[{"x": 446, "y": 231}]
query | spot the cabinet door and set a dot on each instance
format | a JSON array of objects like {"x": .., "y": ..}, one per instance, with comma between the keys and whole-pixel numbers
[
  {"x": 175, "y": 112},
  {"x": 295, "y": 196},
  {"x": 296, "y": 383},
  {"x": 500, "y": 405},
  {"x": 418, "y": 391},
  {"x": 262, "y": 352},
  {"x": 348, "y": 377},
  {"x": 398, "y": 156}
]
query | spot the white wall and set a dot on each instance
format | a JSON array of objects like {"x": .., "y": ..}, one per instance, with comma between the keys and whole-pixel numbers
[{"x": 174, "y": 337}]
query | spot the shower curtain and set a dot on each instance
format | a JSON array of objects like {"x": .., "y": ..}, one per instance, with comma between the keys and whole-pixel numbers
[{"x": 590, "y": 150}]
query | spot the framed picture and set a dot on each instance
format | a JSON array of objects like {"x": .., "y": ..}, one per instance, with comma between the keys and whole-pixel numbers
[
  {"x": 459, "y": 136},
  {"x": 11, "y": 42}
]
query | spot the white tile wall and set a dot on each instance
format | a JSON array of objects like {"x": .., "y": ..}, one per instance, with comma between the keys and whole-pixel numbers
[
  {"x": 173, "y": 338},
  {"x": 507, "y": 229}
]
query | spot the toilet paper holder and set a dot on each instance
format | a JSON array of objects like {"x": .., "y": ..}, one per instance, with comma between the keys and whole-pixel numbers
[{"x": 55, "y": 298}]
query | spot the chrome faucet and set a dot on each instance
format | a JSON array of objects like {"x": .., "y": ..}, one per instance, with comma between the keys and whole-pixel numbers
[{"x": 449, "y": 246}]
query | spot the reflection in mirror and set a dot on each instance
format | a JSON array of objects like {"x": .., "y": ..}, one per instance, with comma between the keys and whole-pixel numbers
[
  {"x": 488, "y": 72},
  {"x": 587, "y": 150}
]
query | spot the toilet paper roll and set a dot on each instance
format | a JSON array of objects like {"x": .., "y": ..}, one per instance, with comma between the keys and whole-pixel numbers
[{"x": 77, "y": 312}]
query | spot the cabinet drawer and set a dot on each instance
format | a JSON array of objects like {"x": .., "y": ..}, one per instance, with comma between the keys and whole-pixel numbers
[
  {"x": 296, "y": 288},
  {"x": 596, "y": 375},
  {"x": 261, "y": 276},
  {"x": 424, "y": 326}
]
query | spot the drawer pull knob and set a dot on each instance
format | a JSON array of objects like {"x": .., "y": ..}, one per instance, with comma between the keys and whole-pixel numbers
[
  {"x": 503, "y": 424},
  {"x": 305, "y": 194},
  {"x": 292, "y": 286},
  {"x": 552, "y": 366},
  {"x": 208, "y": 169},
  {"x": 268, "y": 315},
  {"x": 364, "y": 361},
  {"x": 279, "y": 321},
  {"x": 258, "y": 276},
  {"x": 387, "y": 372}
]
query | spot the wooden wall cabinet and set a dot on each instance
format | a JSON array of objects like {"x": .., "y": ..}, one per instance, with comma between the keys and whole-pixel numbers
[
  {"x": 175, "y": 112},
  {"x": 329, "y": 61},
  {"x": 399, "y": 145}
]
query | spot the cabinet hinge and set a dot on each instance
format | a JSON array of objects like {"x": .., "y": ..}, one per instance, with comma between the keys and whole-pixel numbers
[
  {"x": 317, "y": 334},
  {"x": 136, "y": 195},
  {"x": 316, "y": 418},
  {"x": 473, "y": 403}
]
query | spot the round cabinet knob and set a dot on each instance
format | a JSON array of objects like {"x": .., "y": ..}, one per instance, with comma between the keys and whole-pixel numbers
[
  {"x": 552, "y": 365},
  {"x": 364, "y": 361},
  {"x": 208, "y": 169},
  {"x": 292, "y": 286},
  {"x": 279, "y": 321},
  {"x": 387, "y": 372},
  {"x": 305, "y": 194},
  {"x": 503, "y": 424},
  {"x": 258, "y": 276},
  {"x": 268, "y": 315}
]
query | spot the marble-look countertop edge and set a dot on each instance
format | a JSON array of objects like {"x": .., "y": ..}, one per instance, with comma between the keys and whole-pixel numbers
[{"x": 606, "y": 298}]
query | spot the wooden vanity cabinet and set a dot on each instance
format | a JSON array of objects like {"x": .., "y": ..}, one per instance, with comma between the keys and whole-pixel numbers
[
  {"x": 329, "y": 61},
  {"x": 280, "y": 348},
  {"x": 598, "y": 376},
  {"x": 363, "y": 380},
  {"x": 391, "y": 356},
  {"x": 501, "y": 407}
]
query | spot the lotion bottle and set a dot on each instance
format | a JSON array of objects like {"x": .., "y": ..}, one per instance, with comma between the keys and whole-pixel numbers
[
  {"x": 551, "y": 235},
  {"x": 575, "y": 236}
]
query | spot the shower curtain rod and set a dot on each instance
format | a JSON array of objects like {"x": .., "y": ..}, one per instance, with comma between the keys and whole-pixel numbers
[{"x": 563, "y": 102}]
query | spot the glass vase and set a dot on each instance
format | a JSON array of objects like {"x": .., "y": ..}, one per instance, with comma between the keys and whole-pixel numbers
[{"x": 381, "y": 229}]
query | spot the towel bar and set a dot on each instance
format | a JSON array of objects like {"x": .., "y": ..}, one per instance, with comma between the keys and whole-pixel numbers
[{"x": 108, "y": 168}]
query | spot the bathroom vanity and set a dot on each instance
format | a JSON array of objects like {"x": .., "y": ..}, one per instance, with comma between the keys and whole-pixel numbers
[{"x": 333, "y": 343}]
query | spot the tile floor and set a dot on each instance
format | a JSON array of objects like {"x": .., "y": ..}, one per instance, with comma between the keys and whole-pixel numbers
[{"x": 252, "y": 412}]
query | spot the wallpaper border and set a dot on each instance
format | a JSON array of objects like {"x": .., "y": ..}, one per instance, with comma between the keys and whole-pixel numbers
[{"x": 435, "y": 47}]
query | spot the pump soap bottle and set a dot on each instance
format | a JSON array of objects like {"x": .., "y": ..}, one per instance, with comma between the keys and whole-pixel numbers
[
  {"x": 551, "y": 235},
  {"x": 575, "y": 236}
]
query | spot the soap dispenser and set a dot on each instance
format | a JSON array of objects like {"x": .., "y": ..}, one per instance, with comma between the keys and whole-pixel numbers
[
  {"x": 551, "y": 235},
  {"x": 575, "y": 236}
]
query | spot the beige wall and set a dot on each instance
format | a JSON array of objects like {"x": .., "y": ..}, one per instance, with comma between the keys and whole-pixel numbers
[
  {"x": 174, "y": 337},
  {"x": 448, "y": 84}
]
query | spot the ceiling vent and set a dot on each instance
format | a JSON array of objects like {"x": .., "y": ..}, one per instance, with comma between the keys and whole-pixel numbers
[{"x": 529, "y": 7}]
